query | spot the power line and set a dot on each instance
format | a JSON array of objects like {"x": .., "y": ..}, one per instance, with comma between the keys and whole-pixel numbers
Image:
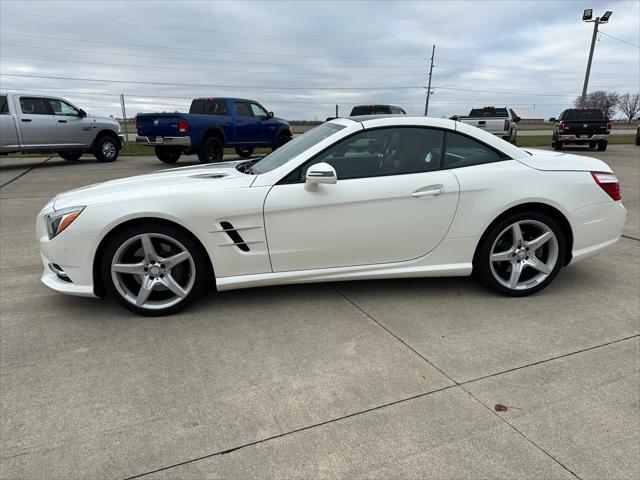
[
  {"x": 248, "y": 87},
  {"x": 619, "y": 39},
  {"x": 218, "y": 62},
  {"x": 507, "y": 93}
]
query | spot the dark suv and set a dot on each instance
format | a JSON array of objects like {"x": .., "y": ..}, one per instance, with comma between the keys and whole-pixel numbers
[{"x": 581, "y": 126}]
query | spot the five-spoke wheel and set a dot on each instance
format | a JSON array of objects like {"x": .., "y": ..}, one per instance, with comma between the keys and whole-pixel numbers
[
  {"x": 154, "y": 270},
  {"x": 521, "y": 254}
]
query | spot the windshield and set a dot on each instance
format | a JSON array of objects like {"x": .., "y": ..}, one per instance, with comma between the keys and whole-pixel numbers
[
  {"x": 489, "y": 112},
  {"x": 587, "y": 114},
  {"x": 371, "y": 110},
  {"x": 295, "y": 147}
]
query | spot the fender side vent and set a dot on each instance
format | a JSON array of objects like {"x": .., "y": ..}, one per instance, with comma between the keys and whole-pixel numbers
[{"x": 234, "y": 236}]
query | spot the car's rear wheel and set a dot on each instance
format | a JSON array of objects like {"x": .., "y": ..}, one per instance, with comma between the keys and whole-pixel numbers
[
  {"x": 211, "y": 150},
  {"x": 106, "y": 149},
  {"x": 154, "y": 269},
  {"x": 521, "y": 254},
  {"x": 602, "y": 146},
  {"x": 70, "y": 156},
  {"x": 281, "y": 140},
  {"x": 168, "y": 154},
  {"x": 592, "y": 145},
  {"x": 244, "y": 152},
  {"x": 557, "y": 145}
]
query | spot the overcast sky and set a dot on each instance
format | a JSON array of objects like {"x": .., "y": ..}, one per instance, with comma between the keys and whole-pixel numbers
[{"x": 300, "y": 58}]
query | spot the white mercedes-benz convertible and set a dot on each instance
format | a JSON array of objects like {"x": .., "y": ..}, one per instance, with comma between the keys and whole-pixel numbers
[{"x": 352, "y": 199}]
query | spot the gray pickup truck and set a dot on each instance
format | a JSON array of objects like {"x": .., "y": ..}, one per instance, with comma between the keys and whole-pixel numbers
[{"x": 36, "y": 123}]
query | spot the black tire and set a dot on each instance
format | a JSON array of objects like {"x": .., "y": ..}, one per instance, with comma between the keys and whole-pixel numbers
[
  {"x": 70, "y": 156},
  {"x": 106, "y": 148},
  {"x": 482, "y": 268},
  {"x": 211, "y": 150},
  {"x": 557, "y": 145},
  {"x": 602, "y": 146},
  {"x": 593, "y": 145},
  {"x": 638, "y": 140},
  {"x": 244, "y": 152},
  {"x": 168, "y": 154},
  {"x": 200, "y": 262},
  {"x": 281, "y": 140}
]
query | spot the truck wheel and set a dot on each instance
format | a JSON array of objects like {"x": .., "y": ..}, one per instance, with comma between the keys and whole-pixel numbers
[
  {"x": 244, "y": 152},
  {"x": 602, "y": 146},
  {"x": 592, "y": 145},
  {"x": 70, "y": 156},
  {"x": 282, "y": 139},
  {"x": 106, "y": 149},
  {"x": 211, "y": 150},
  {"x": 557, "y": 145},
  {"x": 168, "y": 154}
]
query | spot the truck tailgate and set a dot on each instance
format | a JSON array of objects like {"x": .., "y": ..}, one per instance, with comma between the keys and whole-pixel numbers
[
  {"x": 585, "y": 128},
  {"x": 488, "y": 124},
  {"x": 158, "y": 124}
]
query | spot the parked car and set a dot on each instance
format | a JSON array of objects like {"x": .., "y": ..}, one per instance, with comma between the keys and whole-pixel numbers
[
  {"x": 211, "y": 125},
  {"x": 348, "y": 200},
  {"x": 638, "y": 135},
  {"x": 34, "y": 123},
  {"x": 501, "y": 121},
  {"x": 581, "y": 126},
  {"x": 377, "y": 110}
]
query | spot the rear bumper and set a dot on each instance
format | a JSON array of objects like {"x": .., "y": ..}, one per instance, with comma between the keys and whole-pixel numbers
[
  {"x": 584, "y": 138},
  {"x": 167, "y": 141},
  {"x": 596, "y": 228}
]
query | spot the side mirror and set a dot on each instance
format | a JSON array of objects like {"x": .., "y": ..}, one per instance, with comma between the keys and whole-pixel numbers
[
  {"x": 270, "y": 114},
  {"x": 454, "y": 118},
  {"x": 82, "y": 113},
  {"x": 517, "y": 119},
  {"x": 552, "y": 119},
  {"x": 319, "y": 173}
]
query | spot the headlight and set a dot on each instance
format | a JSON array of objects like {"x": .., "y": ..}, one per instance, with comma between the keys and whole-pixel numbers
[{"x": 61, "y": 219}]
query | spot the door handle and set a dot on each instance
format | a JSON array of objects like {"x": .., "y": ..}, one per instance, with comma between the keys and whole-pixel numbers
[
  {"x": 431, "y": 191},
  {"x": 26, "y": 119},
  {"x": 62, "y": 121}
]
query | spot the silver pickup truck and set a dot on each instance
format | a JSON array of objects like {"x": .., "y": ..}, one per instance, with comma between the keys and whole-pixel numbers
[
  {"x": 500, "y": 121},
  {"x": 35, "y": 123}
]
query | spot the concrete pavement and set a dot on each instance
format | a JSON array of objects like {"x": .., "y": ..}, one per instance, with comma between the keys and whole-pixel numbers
[{"x": 383, "y": 379}]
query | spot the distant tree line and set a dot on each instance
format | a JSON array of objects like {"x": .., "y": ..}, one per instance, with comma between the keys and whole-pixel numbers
[{"x": 612, "y": 102}]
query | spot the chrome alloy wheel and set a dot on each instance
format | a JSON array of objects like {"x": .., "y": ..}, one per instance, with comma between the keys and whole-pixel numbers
[
  {"x": 108, "y": 149},
  {"x": 524, "y": 254},
  {"x": 153, "y": 271}
]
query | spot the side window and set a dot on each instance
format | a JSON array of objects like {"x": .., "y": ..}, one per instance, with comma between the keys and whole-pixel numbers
[
  {"x": 4, "y": 106},
  {"x": 62, "y": 108},
  {"x": 461, "y": 151},
  {"x": 258, "y": 111},
  {"x": 34, "y": 106},
  {"x": 215, "y": 107},
  {"x": 385, "y": 151},
  {"x": 242, "y": 109}
]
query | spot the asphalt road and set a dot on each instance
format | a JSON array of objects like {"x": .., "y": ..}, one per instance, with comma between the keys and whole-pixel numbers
[{"x": 379, "y": 379}]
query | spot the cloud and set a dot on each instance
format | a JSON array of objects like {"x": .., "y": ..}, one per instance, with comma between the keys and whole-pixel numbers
[{"x": 304, "y": 57}]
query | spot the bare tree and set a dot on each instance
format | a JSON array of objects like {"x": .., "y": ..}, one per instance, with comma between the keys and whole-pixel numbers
[
  {"x": 605, "y": 101},
  {"x": 630, "y": 105}
]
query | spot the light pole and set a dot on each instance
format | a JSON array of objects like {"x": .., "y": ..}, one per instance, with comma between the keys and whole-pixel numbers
[{"x": 587, "y": 16}]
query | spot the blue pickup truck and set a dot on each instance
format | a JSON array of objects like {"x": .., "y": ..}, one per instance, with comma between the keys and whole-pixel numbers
[{"x": 211, "y": 125}]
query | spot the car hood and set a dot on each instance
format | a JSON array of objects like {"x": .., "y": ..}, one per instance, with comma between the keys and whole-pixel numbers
[
  {"x": 558, "y": 161},
  {"x": 176, "y": 181}
]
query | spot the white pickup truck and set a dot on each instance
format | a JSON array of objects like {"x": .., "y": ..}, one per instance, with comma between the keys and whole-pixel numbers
[
  {"x": 499, "y": 121},
  {"x": 35, "y": 123}
]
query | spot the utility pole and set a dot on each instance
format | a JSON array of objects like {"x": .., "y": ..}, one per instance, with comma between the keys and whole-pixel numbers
[
  {"x": 126, "y": 129},
  {"x": 337, "y": 111},
  {"x": 426, "y": 106},
  {"x": 587, "y": 17}
]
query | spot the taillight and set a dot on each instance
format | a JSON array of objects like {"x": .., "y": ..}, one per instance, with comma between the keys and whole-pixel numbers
[
  {"x": 507, "y": 125},
  {"x": 183, "y": 126},
  {"x": 609, "y": 127},
  {"x": 609, "y": 183},
  {"x": 561, "y": 127}
]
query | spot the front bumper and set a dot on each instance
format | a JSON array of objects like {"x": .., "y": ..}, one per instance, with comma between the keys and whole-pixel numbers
[
  {"x": 584, "y": 138},
  {"x": 167, "y": 141}
]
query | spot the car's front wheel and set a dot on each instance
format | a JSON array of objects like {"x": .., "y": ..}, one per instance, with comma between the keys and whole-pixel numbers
[
  {"x": 106, "y": 149},
  {"x": 154, "y": 269},
  {"x": 521, "y": 254},
  {"x": 281, "y": 140}
]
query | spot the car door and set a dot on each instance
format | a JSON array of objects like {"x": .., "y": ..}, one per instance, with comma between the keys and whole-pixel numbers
[
  {"x": 37, "y": 124},
  {"x": 243, "y": 122},
  {"x": 263, "y": 129},
  {"x": 391, "y": 203},
  {"x": 74, "y": 130}
]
